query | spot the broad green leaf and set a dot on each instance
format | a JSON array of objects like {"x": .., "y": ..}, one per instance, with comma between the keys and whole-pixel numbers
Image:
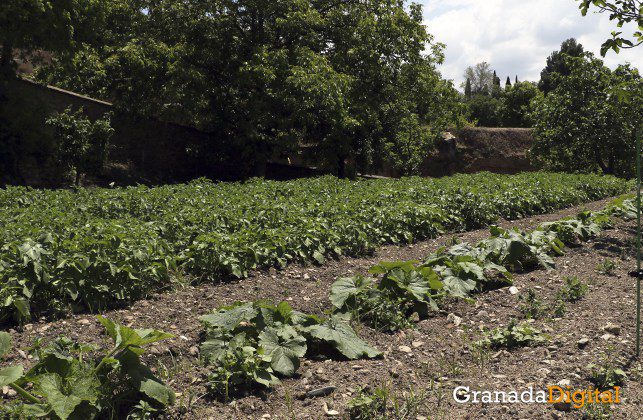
[
  {"x": 125, "y": 337},
  {"x": 143, "y": 380},
  {"x": 284, "y": 354},
  {"x": 342, "y": 337},
  {"x": 51, "y": 387},
  {"x": 10, "y": 375},
  {"x": 5, "y": 343},
  {"x": 457, "y": 286},
  {"x": 413, "y": 282},
  {"x": 230, "y": 318},
  {"x": 346, "y": 288},
  {"x": 385, "y": 266},
  {"x": 266, "y": 378}
]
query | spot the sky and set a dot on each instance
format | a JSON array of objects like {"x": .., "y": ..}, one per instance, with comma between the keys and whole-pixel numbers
[{"x": 515, "y": 37}]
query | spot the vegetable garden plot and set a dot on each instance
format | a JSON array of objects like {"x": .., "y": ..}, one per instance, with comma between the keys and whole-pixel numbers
[{"x": 92, "y": 249}]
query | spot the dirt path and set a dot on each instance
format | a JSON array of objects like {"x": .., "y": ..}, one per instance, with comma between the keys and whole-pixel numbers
[{"x": 440, "y": 359}]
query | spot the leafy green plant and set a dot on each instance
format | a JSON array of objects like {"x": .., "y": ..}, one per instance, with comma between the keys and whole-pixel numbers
[
  {"x": 66, "y": 251},
  {"x": 463, "y": 272},
  {"x": 369, "y": 404},
  {"x": 513, "y": 335},
  {"x": 531, "y": 306},
  {"x": 607, "y": 267},
  {"x": 623, "y": 207},
  {"x": 403, "y": 289},
  {"x": 574, "y": 231},
  {"x": 606, "y": 376},
  {"x": 519, "y": 251},
  {"x": 73, "y": 380},
  {"x": 81, "y": 144},
  {"x": 249, "y": 344},
  {"x": 573, "y": 290},
  {"x": 558, "y": 308}
]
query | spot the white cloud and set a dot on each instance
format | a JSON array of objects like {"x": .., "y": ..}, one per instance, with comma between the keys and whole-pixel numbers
[{"x": 516, "y": 37}]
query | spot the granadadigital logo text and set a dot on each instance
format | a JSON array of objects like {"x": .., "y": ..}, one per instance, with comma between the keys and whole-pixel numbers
[{"x": 554, "y": 394}]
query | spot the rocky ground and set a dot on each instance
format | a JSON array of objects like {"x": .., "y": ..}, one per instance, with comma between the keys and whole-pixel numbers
[{"x": 421, "y": 367}]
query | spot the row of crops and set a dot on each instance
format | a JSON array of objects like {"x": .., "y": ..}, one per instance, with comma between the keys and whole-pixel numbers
[
  {"x": 251, "y": 345},
  {"x": 89, "y": 249}
]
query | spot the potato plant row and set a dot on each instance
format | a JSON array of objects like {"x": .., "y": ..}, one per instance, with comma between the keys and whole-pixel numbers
[{"x": 95, "y": 248}]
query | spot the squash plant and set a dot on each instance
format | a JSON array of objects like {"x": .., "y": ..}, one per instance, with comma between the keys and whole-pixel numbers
[
  {"x": 252, "y": 344},
  {"x": 72, "y": 380}
]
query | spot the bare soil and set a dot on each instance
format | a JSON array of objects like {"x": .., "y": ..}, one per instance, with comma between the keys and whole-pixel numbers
[{"x": 421, "y": 367}]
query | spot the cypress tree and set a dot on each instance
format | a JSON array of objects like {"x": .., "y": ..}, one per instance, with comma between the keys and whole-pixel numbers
[
  {"x": 467, "y": 89},
  {"x": 508, "y": 83}
]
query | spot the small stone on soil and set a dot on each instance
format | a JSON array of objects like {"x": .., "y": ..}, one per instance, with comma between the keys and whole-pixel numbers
[
  {"x": 612, "y": 329},
  {"x": 582, "y": 343}
]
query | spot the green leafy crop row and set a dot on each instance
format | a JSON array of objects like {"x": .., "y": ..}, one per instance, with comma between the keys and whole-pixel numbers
[
  {"x": 89, "y": 249},
  {"x": 410, "y": 287}
]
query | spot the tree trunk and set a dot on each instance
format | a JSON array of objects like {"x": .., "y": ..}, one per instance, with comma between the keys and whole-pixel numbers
[
  {"x": 6, "y": 60},
  {"x": 341, "y": 167},
  {"x": 606, "y": 170}
]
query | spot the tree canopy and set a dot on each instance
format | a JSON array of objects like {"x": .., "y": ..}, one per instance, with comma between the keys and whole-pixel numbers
[
  {"x": 583, "y": 125},
  {"x": 343, "y": 79},
  {"x": 556, "y": 64}
]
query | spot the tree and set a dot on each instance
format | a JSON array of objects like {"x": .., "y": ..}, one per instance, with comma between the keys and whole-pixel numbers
[
  {"x": 81, "y": 144},
  {"x": 55, "y": 26},
  {"x": 484, "y": 110},
  {"x": 496, "y": 91},
  {"x": 265, "y": 77},
  {"x": 481, "y": 76},
  {"x": 624, "y": 12},
  {"x": 516, "y": 105},
  {"x": 556, "y": 63},
  {"x": 467, "y": 89},
  {"x": 508, "y": 83},
  {"x": 582, "y": 125}
]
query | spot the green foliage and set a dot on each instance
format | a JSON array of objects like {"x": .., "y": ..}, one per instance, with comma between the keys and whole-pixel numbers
[
  {"x": 368, "y": 404},
  {"x": 606, "y": 375},
  {"x": 623, "y": 12},
  {"x": 531, "y": 306},
  {"x": 557, "y": 65},
  {"x": 480, "y": 77},
  {"x": 518, "y": 251},
  {"x": 91, "y": 249},
  {"x": 574, "y": 231},
  {"x": 81, "y": 144},
  {"x": 248, "y": 344},
  {"x": 272, "y": 84},
  {"x": 403, "y": 289},
  {"x": 516, "y": 105},
  {"x": 623, "y": 207},
  {"x": 513, "y": 335},
  {"x": 484, "y": 110},
  {"x": 74, "y": 380},
  {"x": 409, "y": 290},
  {"x": 573, "y": 290},
  {"x": 588, "y": 122},
  {"x": 53, "y": 26},
  {"x": 607, "y": 267}
]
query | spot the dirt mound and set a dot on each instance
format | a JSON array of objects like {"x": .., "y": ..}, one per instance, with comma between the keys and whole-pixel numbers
[{"x": 499, "y": 150}]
